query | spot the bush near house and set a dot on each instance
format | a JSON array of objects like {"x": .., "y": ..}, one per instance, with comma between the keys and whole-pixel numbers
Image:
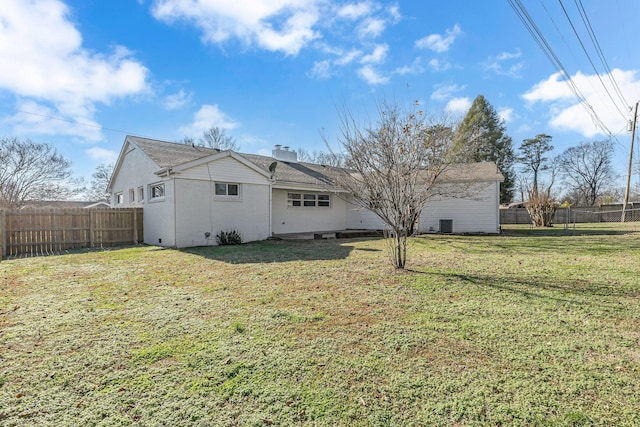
[
  {"x": 229, "y": 237},
  {"x": 528, "y": 328}
]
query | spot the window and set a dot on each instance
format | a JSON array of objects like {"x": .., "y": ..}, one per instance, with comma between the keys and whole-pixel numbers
[
  {"x": 226, "y": 189},
  {"x": 294, "y": 199},
  {"x": 119, "y": 198},
  {"x": 157, "y": 191},
  {"x": 132, "y": 195},
  {"x": 323, "y": 200},
  {"x": 309, "y": 200},
  {"x": 140, "y": 194}
]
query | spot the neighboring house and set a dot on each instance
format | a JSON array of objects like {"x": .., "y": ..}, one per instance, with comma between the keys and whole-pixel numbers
[{"x": 191, "y": 193}]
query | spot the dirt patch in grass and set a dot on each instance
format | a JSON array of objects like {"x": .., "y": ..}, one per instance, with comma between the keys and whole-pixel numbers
[{"x": 518, "y": 329}]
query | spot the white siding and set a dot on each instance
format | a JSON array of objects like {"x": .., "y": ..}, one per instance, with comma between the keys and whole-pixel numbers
[
  {"x": 199, "y": 211},
  {"x": 159, "y": 216},
  {"x": 476, "y": 213},
  {"x": 362, "y": 219},
  {"x": 473, "y": 214},
  {"x": 301, "y": 219},
  {"x": 226, "y": 169},
  {"x": 138, "y": 170}
]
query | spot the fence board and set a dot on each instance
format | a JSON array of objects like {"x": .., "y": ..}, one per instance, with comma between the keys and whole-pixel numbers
[
  {"x": 604, "y": 213},
  {"x": 42, "y": 231}
]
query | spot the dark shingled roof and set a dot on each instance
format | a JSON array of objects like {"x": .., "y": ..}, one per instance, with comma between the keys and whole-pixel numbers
[{"x": 171, "y": 154}]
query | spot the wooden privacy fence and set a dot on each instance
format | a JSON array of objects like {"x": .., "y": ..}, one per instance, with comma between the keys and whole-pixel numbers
[{"x": 43, "y": 231}]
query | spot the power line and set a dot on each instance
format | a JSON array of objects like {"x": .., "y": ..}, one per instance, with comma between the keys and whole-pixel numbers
[
  {"x": 546, "y": 48},
  {"x": 584, "y": 49},
  {"x": 596, "y": 44},
  {"x": 75, "y": 122}
]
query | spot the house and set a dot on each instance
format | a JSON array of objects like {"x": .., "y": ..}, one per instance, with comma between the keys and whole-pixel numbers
[{"x": 191, "y": 193}]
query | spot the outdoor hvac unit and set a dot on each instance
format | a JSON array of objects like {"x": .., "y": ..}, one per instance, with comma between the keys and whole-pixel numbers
[{"x": 446, "y": 226}]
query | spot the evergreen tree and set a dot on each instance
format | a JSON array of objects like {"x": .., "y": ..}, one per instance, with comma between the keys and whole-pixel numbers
[{"x": 482, "y": 137}]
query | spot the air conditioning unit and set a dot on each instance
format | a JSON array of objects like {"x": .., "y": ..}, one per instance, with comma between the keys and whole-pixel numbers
[{"x": 446, "y": 226}]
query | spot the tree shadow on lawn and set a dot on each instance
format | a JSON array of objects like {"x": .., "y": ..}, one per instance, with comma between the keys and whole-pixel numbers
[
  {"x": 268, "y": 251},
  {"x": 558, "y": 290}
]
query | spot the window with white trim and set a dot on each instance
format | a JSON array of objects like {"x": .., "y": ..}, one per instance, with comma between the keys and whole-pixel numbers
[
  {"x": 132, "y": 195},
  {"x": 227, "y": 189},
  {"x": 119, "y": 198},
  {"x": 309, "y": 200},
  {"x": 140, "y": 194},
  {"x": 156, "y": 191}
]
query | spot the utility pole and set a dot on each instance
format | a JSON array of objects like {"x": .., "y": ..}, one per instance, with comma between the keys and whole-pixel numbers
[{"x": 633, "y": 137}]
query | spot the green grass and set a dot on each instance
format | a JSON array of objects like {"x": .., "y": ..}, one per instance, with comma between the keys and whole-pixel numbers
[{"x": 533, "y": 327}]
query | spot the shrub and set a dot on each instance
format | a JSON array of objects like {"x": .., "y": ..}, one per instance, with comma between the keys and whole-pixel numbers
[{"x": 229, "y": 237}]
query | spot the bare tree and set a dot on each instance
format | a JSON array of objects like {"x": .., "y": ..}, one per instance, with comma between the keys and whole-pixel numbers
[
  {"x": 33, "y": 171},
  {"x": 322, "y": 158},
  {"x": 393, "y": 167},
  {"x": 187, "y": 140},
  {"x": 588, "y": 170},
  {"x": 99, "y": 181},
  {"x": 541, "y": 204},
  {"x": 217, "y": 138}
]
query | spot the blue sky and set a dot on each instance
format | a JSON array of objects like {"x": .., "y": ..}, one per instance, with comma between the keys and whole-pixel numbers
[{"x": 82, "y": 74}]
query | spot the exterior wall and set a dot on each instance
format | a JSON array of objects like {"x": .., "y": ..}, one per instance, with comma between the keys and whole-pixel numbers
[
  {"x": 226, "y": 169},
  {"x": 159, "y": 218},
  {"x": 137, "y": 170},
  {"x": 473, "y": 213},
  {"x": 362, "y": 219},
  {"x": 200, "y": 211},
  {"x": 288, "y": 219}
]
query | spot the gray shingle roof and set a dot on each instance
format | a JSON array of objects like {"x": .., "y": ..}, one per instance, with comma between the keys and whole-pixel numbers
[{"x": 171, "y": 154}]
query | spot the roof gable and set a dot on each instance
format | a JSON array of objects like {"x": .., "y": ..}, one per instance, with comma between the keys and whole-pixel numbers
[{"x": 179, "y": 156}]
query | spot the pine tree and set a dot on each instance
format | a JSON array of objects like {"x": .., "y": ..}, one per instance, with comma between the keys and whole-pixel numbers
[{"x": 482, "y": 137}]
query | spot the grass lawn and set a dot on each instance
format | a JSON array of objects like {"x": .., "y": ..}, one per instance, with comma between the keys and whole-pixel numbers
[{"x": 526, "y": 328}]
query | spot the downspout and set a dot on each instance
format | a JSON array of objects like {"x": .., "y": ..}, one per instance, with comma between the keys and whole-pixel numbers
[
  {"x": 175, "y": 210},
  {"x": 270, "y": 207},
  {"x": 498, "y": 228}
]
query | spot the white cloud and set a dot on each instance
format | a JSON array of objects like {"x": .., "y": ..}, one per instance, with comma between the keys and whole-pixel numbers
[
  {"x": 371, "y": 76},
  {"x": 348, "y": 57},
  {"x": 506, "y": 114},
  {"x": 49, "y": 65},
  {"x": 371, "y": 27},
  {"x": 35, "y": 118},
  {"x": 415, "y": 68},
  {"x": 177, "y": 100},
  {"x": 458, "y": 105},
  {"x": 503, "y": 64},
  {"x": 340, "y": 32},
  {"x": 439, "y": 43},
  {"x": 379, "y": 55},
  {"x": 566, "y": 113},
  {"x": 275, "y": 25},
  {"x": 355, "y": 11},
  {"x": 437, "y": 65},
  {"x": 321, "y": 70},
  {"x": 102, "y": 155},
  {"x": 444, "y": 92},
  {"x": 206, "y": 117}
]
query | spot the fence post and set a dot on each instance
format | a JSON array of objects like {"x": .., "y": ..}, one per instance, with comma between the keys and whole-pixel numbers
[
  {"x": 91, "y": 220},
  {"x": 135, "y": 226},
  {"x": 3, "y": 234}
]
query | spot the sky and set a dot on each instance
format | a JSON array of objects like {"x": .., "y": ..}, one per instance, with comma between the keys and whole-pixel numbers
[{"x": 82, "y": 74}]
